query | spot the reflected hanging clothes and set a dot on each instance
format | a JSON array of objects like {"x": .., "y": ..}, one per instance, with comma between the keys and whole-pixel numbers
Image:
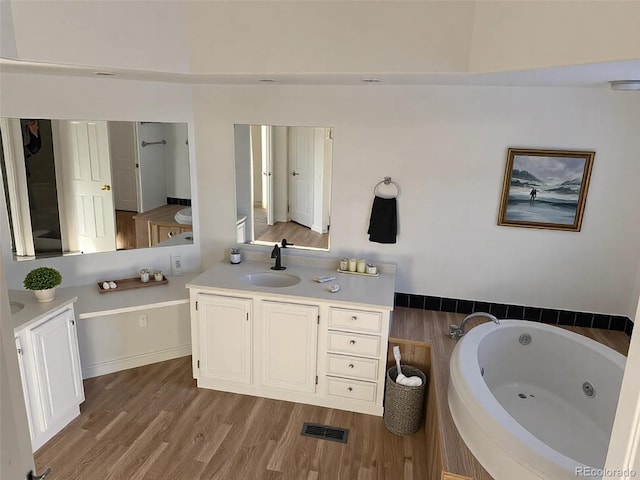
[
  {"x": 31, "y": 137},
  {"x": 383, "y": 224}
]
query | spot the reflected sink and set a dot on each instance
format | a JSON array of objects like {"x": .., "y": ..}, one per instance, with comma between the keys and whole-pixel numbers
[
  {"x": 271, "y": 279},
  {"x": 184, "y": 216},
  {"x": 16, "y": 307}
]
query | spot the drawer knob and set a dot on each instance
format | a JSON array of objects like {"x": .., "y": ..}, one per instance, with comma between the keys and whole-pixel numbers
[
  {"x": 351, "y": 365},
  {"x": 354, "y": 318},
  {"x": 350, "y": 389},
  {"x": 352, "y": 342}
]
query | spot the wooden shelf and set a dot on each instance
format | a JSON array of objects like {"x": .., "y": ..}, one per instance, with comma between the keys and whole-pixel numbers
[{"x": 131, "y": 283}]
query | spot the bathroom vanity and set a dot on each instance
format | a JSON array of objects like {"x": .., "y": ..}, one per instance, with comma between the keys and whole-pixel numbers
[
  {"x": 157, "y": 225},
  {"x": 282, "y": 335},
  {"x": 47, "y": 347}
]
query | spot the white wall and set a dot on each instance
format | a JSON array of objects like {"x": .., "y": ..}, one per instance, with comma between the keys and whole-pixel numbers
[
  {"x": 322, "y": 36},
  {"x": 340, "y": 37},
  {"x": 15, "y": 445},
  {"x": 537, "y": 34},
  {"x": 111, "y": 343},
  {"x": 153, "y": 165},
  {"x": 141, "y": 35},
  {"x": 24, "y": 95},
  {"x": 446, "y": 147}
]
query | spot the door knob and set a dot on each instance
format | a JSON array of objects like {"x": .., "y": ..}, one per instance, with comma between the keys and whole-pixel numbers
[
  {"x": 294, "y": 173},
  {"x": 106, "y": 188}
]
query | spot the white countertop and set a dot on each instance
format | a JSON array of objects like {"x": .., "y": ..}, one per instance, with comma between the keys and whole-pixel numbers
[
  {"x": 354, "y": 289},
  {"x": 91, "y": 303},
  {"x": 33, "y": 310}
]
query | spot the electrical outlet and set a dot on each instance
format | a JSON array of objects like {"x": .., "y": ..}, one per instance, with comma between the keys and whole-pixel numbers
[
  {"x": 143, "y": 320},
  {"x": 176, "y": 265}
]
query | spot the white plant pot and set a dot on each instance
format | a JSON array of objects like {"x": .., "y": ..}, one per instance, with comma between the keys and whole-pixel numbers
[{"x": 45, "y": 295}]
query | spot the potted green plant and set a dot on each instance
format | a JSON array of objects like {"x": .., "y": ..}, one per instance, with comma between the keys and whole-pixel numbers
[{"x": 43, "y": 281}]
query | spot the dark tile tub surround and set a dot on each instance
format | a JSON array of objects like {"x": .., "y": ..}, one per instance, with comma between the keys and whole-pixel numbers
[
  {"x": 516, "y": 312},
  {"x": 179, "y": 201}
]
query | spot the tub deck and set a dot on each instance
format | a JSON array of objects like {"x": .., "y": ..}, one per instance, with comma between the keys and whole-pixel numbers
[{"x": 429, "y": 329}]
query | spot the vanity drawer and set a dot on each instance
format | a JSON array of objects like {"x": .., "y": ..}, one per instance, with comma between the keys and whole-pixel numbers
[
  {"x": 353, "y": 343},
  {"x": 355, "y": 319},
  {"x": 354, "y": 389},
  {"x": 365, "y": 368}
]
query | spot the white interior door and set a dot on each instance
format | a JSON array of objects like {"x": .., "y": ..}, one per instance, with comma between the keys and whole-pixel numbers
[
  {"x": 17, "y": 191},
  {"x": 124, "y": 163},
  {"x": 267, "y": 174},
  {"x": 301, "y": 163},
  {"x": 89, "y": 217}
]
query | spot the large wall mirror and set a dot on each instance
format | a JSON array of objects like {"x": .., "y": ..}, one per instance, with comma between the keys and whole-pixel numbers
[
  {"x": 87, "y": 186},
  {"x": 283, "y": 184}
]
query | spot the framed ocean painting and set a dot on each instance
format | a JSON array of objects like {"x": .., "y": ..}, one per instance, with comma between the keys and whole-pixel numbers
[{"x": 545, "y": 188}]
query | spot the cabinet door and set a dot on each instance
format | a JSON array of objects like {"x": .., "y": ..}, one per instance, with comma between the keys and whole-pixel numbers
[
  {"x": 289, "y": 346},
  {"x": 225, "y": 338},
  {"x": 57, "y": 367}
]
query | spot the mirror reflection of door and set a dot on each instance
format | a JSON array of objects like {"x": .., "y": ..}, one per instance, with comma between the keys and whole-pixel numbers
[
  {"x": 302, "y": 156},
  {"x": 87, "y": 215},
  {"x": 283, "y": 185},
  {"x": 83, "y": 186}
]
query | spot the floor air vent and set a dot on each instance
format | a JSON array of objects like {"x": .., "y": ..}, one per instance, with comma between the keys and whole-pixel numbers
[{"x": 325, "y": 432}]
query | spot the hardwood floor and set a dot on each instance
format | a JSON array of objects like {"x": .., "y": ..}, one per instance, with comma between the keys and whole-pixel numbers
[
  {"x": 153, "y": 423},
  {"x": 293, "y": 232}
]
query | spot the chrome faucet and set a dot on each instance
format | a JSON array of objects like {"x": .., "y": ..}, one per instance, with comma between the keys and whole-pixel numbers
[
  {"x": 277, "y": 254},
  {"x": 457, "y": 331}
]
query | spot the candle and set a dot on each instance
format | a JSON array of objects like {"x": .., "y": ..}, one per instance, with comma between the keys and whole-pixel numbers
[
  {"x": 352, "y": 264},
  {"x": 361, "y": 266},
  {"x": 344, "y": 264},
  {"x": 144, "y": 275}
]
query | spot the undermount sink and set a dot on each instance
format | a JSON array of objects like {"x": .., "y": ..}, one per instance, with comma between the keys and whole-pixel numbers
[
  {"x": 16, "y": 307},
  {"x": 271, "y": 279}
]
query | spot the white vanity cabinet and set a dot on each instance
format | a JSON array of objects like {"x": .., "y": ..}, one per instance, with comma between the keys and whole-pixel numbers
[
  {"x": 300, "y": 349},
  {"x": 224, "y": 343},
  {"x": 51, "y": 375}
]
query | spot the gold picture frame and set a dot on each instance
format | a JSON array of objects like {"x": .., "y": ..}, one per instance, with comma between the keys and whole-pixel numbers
[{"x": 545, "y": 188}]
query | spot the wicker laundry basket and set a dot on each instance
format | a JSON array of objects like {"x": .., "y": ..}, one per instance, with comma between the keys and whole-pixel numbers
[{"x": 403, "y": 405}]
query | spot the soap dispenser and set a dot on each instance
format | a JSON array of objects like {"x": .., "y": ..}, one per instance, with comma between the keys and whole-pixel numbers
[{"x": 234, "y": 256}]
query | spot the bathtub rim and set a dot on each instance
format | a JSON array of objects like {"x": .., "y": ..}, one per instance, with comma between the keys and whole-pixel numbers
[{"x": 485, "y": 417}]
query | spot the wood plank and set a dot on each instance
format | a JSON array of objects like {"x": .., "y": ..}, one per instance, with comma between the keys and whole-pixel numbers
[
  {"x": 131, "y": 283},
  {"x": 153, "y": 422}
]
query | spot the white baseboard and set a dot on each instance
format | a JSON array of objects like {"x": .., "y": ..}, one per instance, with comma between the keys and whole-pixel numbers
[{"x": 133, "y": 361}]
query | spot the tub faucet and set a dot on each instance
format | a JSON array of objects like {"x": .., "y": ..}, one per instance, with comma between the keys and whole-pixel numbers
[
  {"x": 277, "y": 254},
  {"x": 457, "y": 331}
]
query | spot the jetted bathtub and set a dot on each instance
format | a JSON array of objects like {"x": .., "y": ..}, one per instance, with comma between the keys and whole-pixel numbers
[{"x": 534, "y": 401}]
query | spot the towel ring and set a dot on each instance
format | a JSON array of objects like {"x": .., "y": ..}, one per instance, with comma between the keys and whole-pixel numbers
[{"x": 387, "y": 181}]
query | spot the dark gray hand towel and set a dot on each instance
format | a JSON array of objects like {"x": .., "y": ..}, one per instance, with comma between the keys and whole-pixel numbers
[{"x": 383, "y": 225}]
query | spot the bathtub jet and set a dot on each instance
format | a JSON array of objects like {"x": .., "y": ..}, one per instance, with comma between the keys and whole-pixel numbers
[{"x": 534, "y": 414}]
